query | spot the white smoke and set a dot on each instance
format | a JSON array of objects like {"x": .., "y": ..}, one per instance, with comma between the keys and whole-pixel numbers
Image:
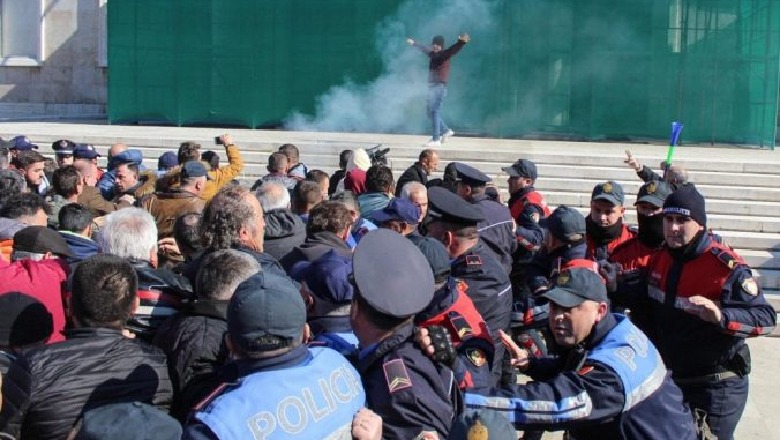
[{"x": 395, "y": 101}]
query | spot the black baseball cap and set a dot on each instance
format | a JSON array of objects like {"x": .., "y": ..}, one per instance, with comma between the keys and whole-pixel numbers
[
  {"x": 266, "y": 313},
  {"x": 575, "y": 286},
  {"x": 437, "y": 256},
  {"x": 564, "y": 223},
  {"x": 522, "y": 168}
]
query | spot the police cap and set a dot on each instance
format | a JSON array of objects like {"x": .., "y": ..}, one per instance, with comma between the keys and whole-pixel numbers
[
  {"x": 63, "y": 147},
  {"x": 654, "y": 192},
  {"x": 470, "y": 175},
  {"x": 449, "y": 207},
  {"x": 609, "y": 191},
  {"x": 577, "y": 285},
  {"x": 391, "y": 274},
  {"x": 565, "y": 224}
]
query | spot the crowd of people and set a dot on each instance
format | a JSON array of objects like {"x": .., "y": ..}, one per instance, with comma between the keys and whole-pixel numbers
[{"x": 179, "y": 303}]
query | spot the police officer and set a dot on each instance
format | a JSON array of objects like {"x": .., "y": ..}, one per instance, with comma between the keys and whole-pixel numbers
[
  {"x": 452, "y": 309},
  {"x": 497, "y": 229},
  {"x": 564, "y": 246},
  {"x": 283, "y": 389},
  {"x": 393, "y": 282},
  {"x": 63, "y": 150},
  {"x": 526, "y": 205},
  {"x": 453, "y": 221},
  {"x": 604, "y": 225},
  {"x": 703, "y": 302},
  {"x": 633, "y": 255},
  {"x": 609, "y": 381}
]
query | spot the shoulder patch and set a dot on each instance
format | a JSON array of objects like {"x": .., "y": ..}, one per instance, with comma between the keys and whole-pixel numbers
[
  {"x": 585, "y": 370},
  {"x": 750, "y": 286},
  {"x": 535, "y": 217},
  {"x": 476, "y": 357},
  {"x": 396, "y": 376},
  {"x": 725, "y": 257},
  {"x": 473, "y": 260}
]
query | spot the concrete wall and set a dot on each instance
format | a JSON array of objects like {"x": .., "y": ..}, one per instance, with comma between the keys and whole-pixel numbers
[{"x": 67, "y": 78}]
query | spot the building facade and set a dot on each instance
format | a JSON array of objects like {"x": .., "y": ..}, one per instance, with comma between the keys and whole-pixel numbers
[{"x": 53, "y": 58}]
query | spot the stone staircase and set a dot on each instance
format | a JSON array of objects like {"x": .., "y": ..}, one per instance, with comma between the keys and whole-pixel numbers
[{"x": 742, "y": 186}]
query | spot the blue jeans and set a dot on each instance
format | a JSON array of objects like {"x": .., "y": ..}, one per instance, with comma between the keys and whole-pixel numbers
[{"x": 436, "y": 94}]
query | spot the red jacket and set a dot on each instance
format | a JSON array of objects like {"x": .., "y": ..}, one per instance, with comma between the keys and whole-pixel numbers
[
  {"x": 633, "y": 255},
  {"x": 42, "y": 280}
]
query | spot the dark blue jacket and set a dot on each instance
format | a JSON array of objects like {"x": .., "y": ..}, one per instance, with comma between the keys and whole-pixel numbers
[
  {"x": 497, "y": 230},
  {"x": 81, "y": 247},
  {"x": 613, "y": 386},
  {"x": 407, "y": 389},
  {"x": 488, "y": 285}
]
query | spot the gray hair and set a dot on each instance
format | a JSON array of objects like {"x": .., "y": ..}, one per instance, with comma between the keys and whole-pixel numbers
[
  {"x": 224, "y": 216},
  {"x": 129, "y": 233},
  {"x": 272, "y": 195},
  {"x": 222, "y": 271},
  {"x": 412, "y": 188}
]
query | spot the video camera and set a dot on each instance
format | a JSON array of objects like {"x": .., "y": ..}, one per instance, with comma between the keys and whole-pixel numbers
[{"x": 378, "y": 155}]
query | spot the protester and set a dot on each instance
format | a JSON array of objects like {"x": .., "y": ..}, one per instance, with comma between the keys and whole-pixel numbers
[
  {"x": 322, "y": 179},
  {"x": 328, "y": 228},
  {"x": 379, "y": 190},
  {"x": 337, "y": 177},
  {"x": 18, "y": 212},
  {"x": 284, "y": 230},
  {"x": 419, "y": 171},
  {"x": 417, "y": 193},
  {"x": 166, "y": 206},
  {"x": 305, "y": 196},
  {"x": 277, "y": 172},
  {"x": 296, "y": 169},
  {"x": 117, "y": 154},
  {"x": 30, "y": 164},
  {"x": 75, "y": 226},
  {"x": 131, "y": 234},
  {"x": 194, "y": 339},
  {"x": 47, "y": 389}
]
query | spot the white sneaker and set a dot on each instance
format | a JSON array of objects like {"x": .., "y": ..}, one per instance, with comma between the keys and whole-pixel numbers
[
  {"x": 446, "y": 135},
  {"x": 433, "y": 144}
]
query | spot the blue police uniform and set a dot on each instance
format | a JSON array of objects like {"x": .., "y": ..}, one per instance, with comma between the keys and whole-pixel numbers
[
  {"x": 403, "y": 386},
  {"x": 307, "y": 393},
  {"x": 497, "y": 228},
  {"x": 614, "y": 386},
  {"x": 335, "y": 333}
]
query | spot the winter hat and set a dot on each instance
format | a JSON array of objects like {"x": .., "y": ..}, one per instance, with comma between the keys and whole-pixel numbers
[{"x": 687, "y": 201}]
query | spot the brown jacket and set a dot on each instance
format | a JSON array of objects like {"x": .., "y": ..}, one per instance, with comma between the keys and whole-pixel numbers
[
  {"x": 168, "y": 206},
  {"x": 92, "y": 199},
  {"x": 218, "y": 178}
]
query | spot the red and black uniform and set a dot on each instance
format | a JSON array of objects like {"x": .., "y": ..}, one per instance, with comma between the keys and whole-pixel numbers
[
  {"x": 601, "y": 250},
  {"x": 527, "y": 207},
  {"x": 452, "y": 309},
  {"x": 708, "y": 361}
]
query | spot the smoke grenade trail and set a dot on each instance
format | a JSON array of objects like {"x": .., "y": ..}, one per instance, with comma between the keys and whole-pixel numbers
[{"x": 395, "y": 101}]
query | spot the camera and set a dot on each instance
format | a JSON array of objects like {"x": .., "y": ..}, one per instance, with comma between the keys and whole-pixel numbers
[
  {"x": 218, "y": 140},
  {"x": 378, "y": 155}
]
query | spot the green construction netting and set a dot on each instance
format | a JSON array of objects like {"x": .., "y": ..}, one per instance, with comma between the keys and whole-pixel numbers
[{"x": 597, "y": 70}]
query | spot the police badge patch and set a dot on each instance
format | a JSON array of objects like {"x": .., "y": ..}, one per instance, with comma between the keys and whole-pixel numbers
[
  {"x": 396, "y": 376},
  {"x": 473, "y": 260},
  {"x": 750, "y": 286},
  {"x": 476, "y": 356}
]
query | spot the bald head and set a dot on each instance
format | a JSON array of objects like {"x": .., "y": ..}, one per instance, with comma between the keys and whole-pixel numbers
[{"x": 116, "y": 149}]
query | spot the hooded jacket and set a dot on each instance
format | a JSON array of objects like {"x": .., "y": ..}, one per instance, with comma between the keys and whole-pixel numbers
[
  {"x": 8, "y": 227},
  {"x": 81, "y": 247},
  {"x": 283, "y": 232}
]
